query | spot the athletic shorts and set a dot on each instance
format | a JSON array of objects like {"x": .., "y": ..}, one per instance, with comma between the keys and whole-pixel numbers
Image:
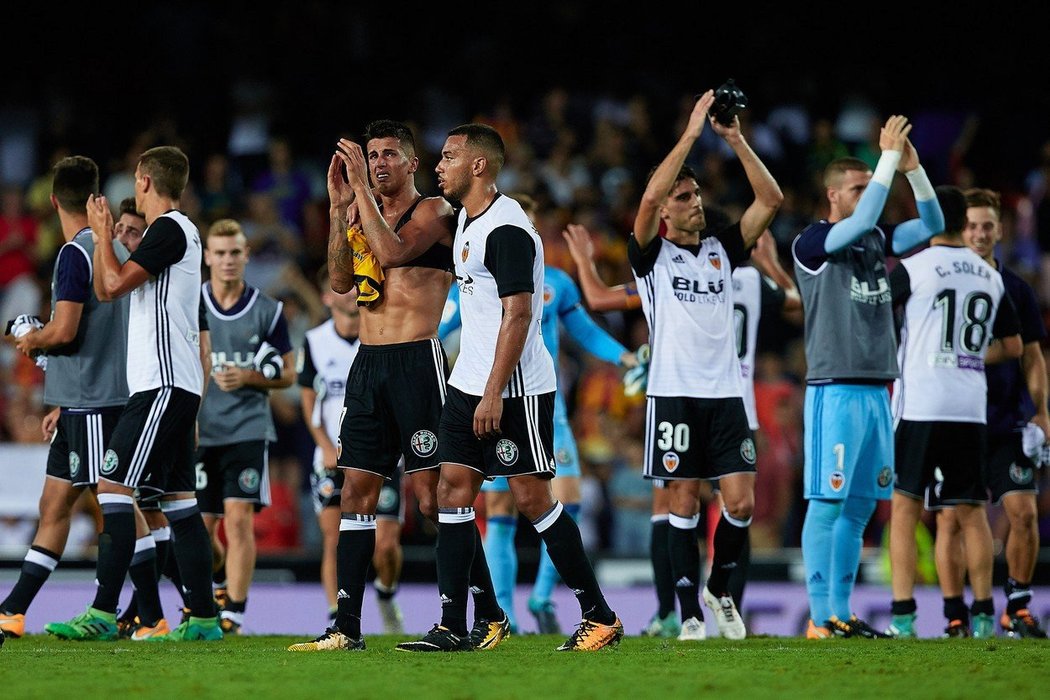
[
  {"x": 1008, "y": 469},
  {"x": 566, "y": 457},
  {"x": 946, "y": 456},
  {"x": 152, "y": 445},
  {"x": 327, "y": 486},
  {"x": 238, "y": 472},
  {"x": 525, "y": 445},
  {"x": 79, "y": 444},
  {"x": 692, "y": 438},
  {"x": 848, "y": 442},
  {"x": 394, "y": 395}
]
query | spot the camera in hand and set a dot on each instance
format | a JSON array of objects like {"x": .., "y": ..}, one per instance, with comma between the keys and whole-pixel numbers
[{"x": 730, "y": 100}]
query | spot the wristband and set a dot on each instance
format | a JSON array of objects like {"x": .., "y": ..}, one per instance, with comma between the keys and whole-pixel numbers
[
  {"x": 920, "y": 184},
  {"x": 887, "y": 166}
]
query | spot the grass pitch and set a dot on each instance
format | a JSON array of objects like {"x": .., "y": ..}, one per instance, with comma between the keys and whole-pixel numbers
[{"x": 527, "y": 667}]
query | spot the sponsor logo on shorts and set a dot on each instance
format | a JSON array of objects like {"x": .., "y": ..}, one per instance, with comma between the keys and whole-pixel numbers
[
  {"x": 110, "y": 462},
  {"x": 837, "y": 480},
  {"x": 747, "y": 450},
  {"x": 424, "y": 443},
  {"x": 885, "y": 477},
  {"x": 671, "y": 461},
  {"x": 1019, "y": 474},
  {"x": 249, "y": 480},
  {"x": 562, "y": 456},
  {"x": 387, "y": 498},
  {"x": 507, "y": 451},
  {"x": 74, "y": 463}
]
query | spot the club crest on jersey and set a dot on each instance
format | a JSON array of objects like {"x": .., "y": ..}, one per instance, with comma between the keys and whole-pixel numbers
[
  {"x": 110, "y": 462},
  {"x": 387, "y": 498},
  {"x": 507, "y": 452},
  {"x": 715, "y": 259},
  {"x": 885, "y": 477},
  {"x": 837, "y": 480},
  {"x": 747, "y": 450},
  {"x": 74, "y": 463},
  {"x": 465, "y": 253},
  {"x": 424, "y": 443},
  {"x": 249, "y": 480},
  {"x": 1019, "y": 474},
  {"x": 671, "y": 461}
]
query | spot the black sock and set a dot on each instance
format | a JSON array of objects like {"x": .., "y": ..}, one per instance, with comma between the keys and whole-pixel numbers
[
  {"x": 1018, "y": 595},
  {"x": 132, "y": 611},
  {"x": 192, "y": 547},
  {"x": 663, "y": 576},
  {"x": 116, "y": 546},
  {"x": 143, "y": 572},
  {"x": 565, "y": 548},
  {"x": 903, "y": 607},
  {"x": 738, "y": 576},
  {"x": 36, "y": 567},
  {"x": 357, "y": 545},
  {"x": 685, "y": 564},
  {"x": 170, "y": 568},
  {"x": 486, "y": 607},
  {"x": 457, "y": 539},
  {"x": 955, "y": 609},
  {"x": 218, "y": 576},
  {"x": 982, "y": 607},
  {"x": 237, "y": 606},
  {"x": 730, "y": 538}
]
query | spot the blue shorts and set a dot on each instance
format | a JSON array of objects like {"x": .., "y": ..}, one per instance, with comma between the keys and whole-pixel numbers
[
  {"x": 848, "y": 442},
  {"x": 566, "y": 458}
]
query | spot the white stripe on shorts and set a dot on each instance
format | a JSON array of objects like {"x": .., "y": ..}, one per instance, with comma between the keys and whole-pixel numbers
[{"x": 144, "y": 447}]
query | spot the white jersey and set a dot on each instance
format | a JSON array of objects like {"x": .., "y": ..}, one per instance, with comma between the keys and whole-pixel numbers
[
  {"x": 163, "y": 325},
  {"x": 951, "y": 299},
  {"x": 476, "y": 258},
  {"x": 747, "y": 309},
  {"x": 324, "y": 362},
  {"x": 688, "y": 299}
]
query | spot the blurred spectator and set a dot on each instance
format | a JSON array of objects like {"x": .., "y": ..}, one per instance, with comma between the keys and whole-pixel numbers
[{"x": 286, "y": 184}]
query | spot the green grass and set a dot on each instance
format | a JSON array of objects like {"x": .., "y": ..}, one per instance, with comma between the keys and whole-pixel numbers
[{"x": 528, "y": 667}]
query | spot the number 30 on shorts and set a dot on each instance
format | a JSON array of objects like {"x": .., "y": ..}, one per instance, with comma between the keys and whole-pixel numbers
[{"x": 673, "y": 436}]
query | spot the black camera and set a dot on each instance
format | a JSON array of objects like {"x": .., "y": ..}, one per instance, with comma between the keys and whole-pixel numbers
[{"x": 729, "y": 102}]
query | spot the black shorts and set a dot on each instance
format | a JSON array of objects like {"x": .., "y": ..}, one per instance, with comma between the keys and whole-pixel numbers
[
  {"x": 394, "y": 395},
  {"x": 79, "y": 444},
  {"x": 327, "y": 485},
  {"x": 1008, "y": 469},
  {"x": 239, "y": 472},
  {"x": 152, "y": 445},
  {"x": 526, "y": 445},
  {"x": 691, "y": 438},
  {"x": 946, "y": 457}
]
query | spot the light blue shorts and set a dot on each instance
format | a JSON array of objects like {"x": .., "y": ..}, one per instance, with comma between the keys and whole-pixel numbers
[{"x": 848, "y": 442}]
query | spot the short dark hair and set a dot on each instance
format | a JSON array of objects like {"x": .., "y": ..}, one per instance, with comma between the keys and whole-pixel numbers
[
  {"x": 76, "y": 179},
  {"x": 168, "y": 167},
  {"x": 981, "y": 197},
  {"x": 685, "y": 173},
  {"x": 127, "y": 206},
  {"x": 388, "y": 128},
  {"x": 953, "y": 205},
  {"x": 841, "y": 166},
  {"x": 486, "y": 139}
]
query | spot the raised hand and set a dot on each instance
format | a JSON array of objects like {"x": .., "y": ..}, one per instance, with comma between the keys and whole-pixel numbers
[
  {"x": 727, "y": 132},
  {"x": 100, "y": 218},
  {"x": 354, "y": 159},
  {"x": 698, "y": 117},
  {"x": 894, "y": 133},
  {"x": 581, "y": 247},
  {"x": 340, "y": 193},
  {"x": 909, "y": 158}
]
